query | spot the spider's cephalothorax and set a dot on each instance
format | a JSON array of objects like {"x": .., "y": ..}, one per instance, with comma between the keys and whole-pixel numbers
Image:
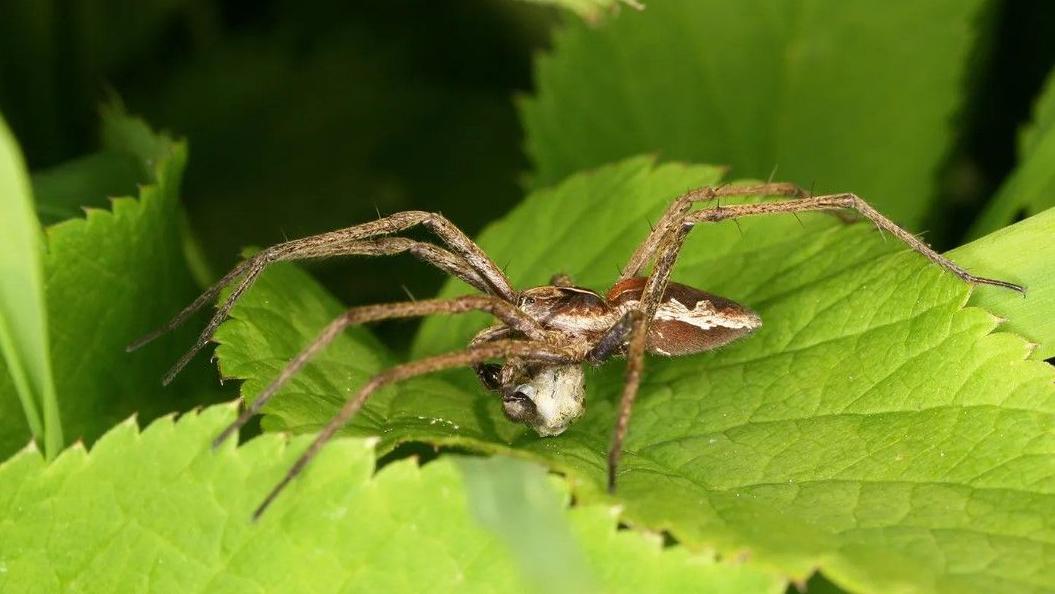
[
  {"x": 549, "y": 397},
  {"x": 544, "y": 335}
]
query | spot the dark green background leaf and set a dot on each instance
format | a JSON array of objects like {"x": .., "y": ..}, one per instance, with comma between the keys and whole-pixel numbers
[
  {"x": 1031, "y": 187},
  {"x": 64, "y": 191},
  {"x": 839, "y": 96}
]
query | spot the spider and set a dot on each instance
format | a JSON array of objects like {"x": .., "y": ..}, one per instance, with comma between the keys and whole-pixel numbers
[{"x": 543, "y": 335}]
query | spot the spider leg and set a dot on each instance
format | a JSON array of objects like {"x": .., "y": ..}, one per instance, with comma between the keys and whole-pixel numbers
[
  {"x": 651, "y": 296},
  {"x": 489, "y": 374},
  {"x": 344, "y": 242},
  {"x": 502, "y": 310},
  {"x": 678, "y": 209},
  {"x": 613, "y": 339},
  {"x": 635, "y": 364},
  {"x": 533, "y": 350},
  {"x": 561, "y": 279},
  {"x": 253, "y": 267},
  {"x": 669, "y": 247},
  {"x": 471, "y": 265},
  {"x": 842, "y": 202},
  {"x": 455, "y": 240}
]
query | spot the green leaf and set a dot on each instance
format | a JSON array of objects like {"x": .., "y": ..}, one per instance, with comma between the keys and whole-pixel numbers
[
  {"x": 159, "y": 511},
  {"x": 23, "y": 317},
  {"x": 838, "y": 96},
  {"x": 277, "y": 324},
  {"x": 1031, "y": 187},
  {"x": 874, "y": 428},
  {"x": 110, "y": 277},
  {"x": 63, "y": 192},
  {"x": 1024, "y": 251},
  {"x": 512, "y": 499}
]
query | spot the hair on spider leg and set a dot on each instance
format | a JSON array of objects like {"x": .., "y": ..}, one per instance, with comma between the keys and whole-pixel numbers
[
  {"x": 406, "y": 290},
  {"x": 718, "y": 206},
  {"x": 532, "y": 356},
  {"x": 772, "y": 173},
  {"x": 738, "y": 227}
]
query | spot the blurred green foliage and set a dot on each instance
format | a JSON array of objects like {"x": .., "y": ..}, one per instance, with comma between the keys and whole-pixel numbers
[{"x": 304, "y": 116}]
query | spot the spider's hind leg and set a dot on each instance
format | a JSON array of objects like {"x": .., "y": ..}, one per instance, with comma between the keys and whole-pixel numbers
[
  {"x": 502, "y": 310},
  {"x": 535, "y": 351}
]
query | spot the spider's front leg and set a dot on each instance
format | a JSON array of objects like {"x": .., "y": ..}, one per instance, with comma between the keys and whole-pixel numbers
[
  {"x": 465, "y": 260},
  {"x": 651, "y": 297},
  {"x": 837, "y": 202},
  {"x": 676, "y": 212}
]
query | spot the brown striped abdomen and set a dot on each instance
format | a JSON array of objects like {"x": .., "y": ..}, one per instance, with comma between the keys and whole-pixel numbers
[{"x": 688, "y": 320}]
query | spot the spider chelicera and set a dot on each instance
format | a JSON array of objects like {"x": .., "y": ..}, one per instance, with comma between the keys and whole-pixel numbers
[{"x": 543, "y": 335}]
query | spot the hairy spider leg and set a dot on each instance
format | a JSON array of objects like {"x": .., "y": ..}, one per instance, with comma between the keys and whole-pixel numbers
[
  {"x": 561, "y": 279},
  {"x": 681, "y": 206},
  {"x": 469, "y": 263},
  {"x": 670, "y": 247},
  {"x": 529, "y": 350},
  {"x": 427, "y": 252},
  {"x": 611, "y": 342},
  {"x": 651, "y": 297},
  {"x": 635, "y": 365},
  {"x": 845, "y": 201},
  {"x": 504, "y": 311}
]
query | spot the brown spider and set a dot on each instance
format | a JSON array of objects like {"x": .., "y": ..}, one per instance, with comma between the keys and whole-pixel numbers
[{"x": 544, "y": 334}]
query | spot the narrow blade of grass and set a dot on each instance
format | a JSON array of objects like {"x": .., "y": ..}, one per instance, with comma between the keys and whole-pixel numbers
[{"x": 23, "y": 316}]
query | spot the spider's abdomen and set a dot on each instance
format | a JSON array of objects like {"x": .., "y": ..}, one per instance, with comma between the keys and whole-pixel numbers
[{"x": 688, "y": 320}]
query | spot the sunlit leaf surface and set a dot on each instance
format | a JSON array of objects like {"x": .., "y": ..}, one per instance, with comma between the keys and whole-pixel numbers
[{"x": 874, "y": 427}]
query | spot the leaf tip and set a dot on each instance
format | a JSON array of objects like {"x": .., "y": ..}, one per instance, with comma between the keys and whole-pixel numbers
[
  {"x": 29, "y": 449},
  {"x": 1031, "y": 348}
]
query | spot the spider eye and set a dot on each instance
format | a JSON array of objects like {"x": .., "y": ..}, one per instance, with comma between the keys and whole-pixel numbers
[{"x": 490, "y": 376}]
